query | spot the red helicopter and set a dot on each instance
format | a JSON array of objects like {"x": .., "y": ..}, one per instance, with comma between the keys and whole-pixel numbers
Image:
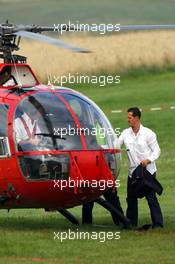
[{"x": 51, "y": 153}]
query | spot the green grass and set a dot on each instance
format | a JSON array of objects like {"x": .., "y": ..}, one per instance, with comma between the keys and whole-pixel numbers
[
  {"x": 53, "y": 11},
  {"x": 28, "y": 235}
]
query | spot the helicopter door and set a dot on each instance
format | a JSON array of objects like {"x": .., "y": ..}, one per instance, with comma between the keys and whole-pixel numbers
[{"x": 4, "y": 143}]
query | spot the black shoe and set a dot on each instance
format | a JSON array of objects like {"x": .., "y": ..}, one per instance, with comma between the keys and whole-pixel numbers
[
  {"x": 144, "y": 228},
  {"x": 156, "y": 226},
  {"x": 148, "y": 227}
]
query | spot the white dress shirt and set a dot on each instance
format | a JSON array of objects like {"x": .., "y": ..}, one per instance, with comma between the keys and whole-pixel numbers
[
  {"x": 20, "y": 130},
  {"x": 139, "y": 147}
]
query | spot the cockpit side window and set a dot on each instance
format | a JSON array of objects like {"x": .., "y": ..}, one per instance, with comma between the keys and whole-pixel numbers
[
  {"x": 23, "y": 75},
  {"x": 98, "y": 133}
]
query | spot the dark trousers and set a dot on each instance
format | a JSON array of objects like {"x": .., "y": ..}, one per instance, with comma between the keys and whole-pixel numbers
[
  {"x": 132, "y": 210},
  {"x": 110, "y": 196}
]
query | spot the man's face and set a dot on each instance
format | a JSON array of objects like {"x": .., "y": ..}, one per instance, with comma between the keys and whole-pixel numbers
[{"x": 132, "y": 121}]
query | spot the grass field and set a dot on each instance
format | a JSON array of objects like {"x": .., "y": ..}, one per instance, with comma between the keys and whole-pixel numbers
[
  {"x": 110, "y": 53},
  {"x": 27, "y": 236}
]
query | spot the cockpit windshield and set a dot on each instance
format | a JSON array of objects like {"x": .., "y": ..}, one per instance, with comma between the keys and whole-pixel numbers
[
  {"x": 54, "y": 121},
  {"x": 47, "y": 121}
]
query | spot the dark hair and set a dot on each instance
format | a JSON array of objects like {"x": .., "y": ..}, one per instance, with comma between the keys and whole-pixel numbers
[{"x": 135, "y": 111}]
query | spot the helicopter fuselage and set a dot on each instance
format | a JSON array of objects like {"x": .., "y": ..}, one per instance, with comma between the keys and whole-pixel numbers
[{"x": 69, "y": 165}]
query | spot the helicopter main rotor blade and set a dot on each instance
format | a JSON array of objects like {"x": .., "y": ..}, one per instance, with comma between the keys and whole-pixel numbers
[
  {"x": 13, "y": 29},
  {"x": 146, "y": 27},
  {"x": 100, "y": 27},
  {"x": 120, "y": 28},
  {"x": 112, "y": 28},
  {"x": 50, "y": 40}
]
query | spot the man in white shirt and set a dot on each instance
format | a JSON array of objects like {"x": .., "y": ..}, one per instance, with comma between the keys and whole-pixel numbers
[
  {"x": 142, "y": 148},
  {"x": 26, "y": 128}
]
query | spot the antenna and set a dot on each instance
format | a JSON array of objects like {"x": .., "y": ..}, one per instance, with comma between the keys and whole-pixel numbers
[{"x": 18, "y": 79}]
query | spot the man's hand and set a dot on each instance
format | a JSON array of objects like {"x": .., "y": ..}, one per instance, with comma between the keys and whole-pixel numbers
[
  {"x": 145, "y": 162},
  {"x": 34, "y": 141}
]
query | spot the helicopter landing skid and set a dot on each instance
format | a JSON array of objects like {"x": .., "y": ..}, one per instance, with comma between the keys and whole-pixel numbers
[
  {"x": 69, "y": 216},
  {"x": 108, "y": 206}
]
